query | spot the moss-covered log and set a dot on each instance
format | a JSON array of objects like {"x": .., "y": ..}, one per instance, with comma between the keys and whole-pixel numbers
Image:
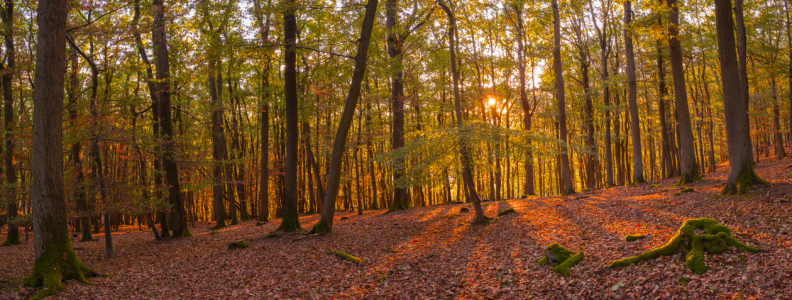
[
  {"x": 345, "y": 256},
  {"x": 506, "y": 212},
  {"x": 560, "y": 258},
  {"x": 633, "y": 237},
  {"x": 238, "y": 245},
  {"x": 715, "y": 239}
]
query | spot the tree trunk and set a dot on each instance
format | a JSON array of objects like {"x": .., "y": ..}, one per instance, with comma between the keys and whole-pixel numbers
[
  {"x": 325, "y": 224},
  {"x": 8, "y": 99},
  {"x": 178, "y": 216},
  {"x": 528, "y": 188},
  {"x": 566, "y": 178},
  {"x": 741, "y": 173},
  {"x": 395, "y": 49},
  {"x": 687, "y": 155},
  {"x": 742, "y": 57},
  {"x": 218, "y": 205},
  {"x": 55, "y": 261},
  {"x": 466, "y": 161},
  {"x": 635, "y": 131}
]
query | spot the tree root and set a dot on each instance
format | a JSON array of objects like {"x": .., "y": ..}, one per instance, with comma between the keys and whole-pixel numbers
[{"x": 715, "y": 240}]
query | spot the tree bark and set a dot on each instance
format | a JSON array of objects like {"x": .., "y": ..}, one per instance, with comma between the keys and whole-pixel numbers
[
  {"x": 741, "y": 173},
  {"x": 8, "y": 114},
  {"x": 325, "y": 224},
  {"x": 467, "y": 173},
  {"x": 632, "y": 98},
  {"x": 178, "y": 215},
  {"x": 687, "y": 156},
  {"x": 55, "y": 261},
  {"x": 566, "y": 178}
]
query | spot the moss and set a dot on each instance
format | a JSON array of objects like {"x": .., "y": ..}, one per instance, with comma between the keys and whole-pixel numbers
[
  {"x": 694, "y": 176},
  {"x": 555, "y": 254},
  {"x": 453, "y": 215},
  {"x": 639, "y": 180},
  {"x": 716, "y": 240},
  {"x": 289, "y": 223},
  {"x": 345, "y": 256},
  {"x": 238, "y": 244},
  {"x": 320, "y": 227},
  {"x": 633, "y": 237},
  {"x": 563, "y": 267},
  {"x": 654, "y": 185},
  {"x": 506, "y": 212},
  {"x": 57, "y": 264},
  {"x": 683, "y": 280},
  {"x": 743, "y": 183},
  {"x": 568, "y": 192},
  {"x": 483, "y": 221},
  {"x": 214, "y": 232},
  {"x": 687, "y": 190},
  {"x": 676, "y": 194},
  {"x": 220, "y": 225},
  {"x": 272, "y": 235},
  {"x": 259, "y": 223},
  {"x": 184, "y": 233},
  {"x": 397, "y": 205}
]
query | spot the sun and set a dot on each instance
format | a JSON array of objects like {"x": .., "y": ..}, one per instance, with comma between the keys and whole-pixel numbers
[{"x": 491, "y": 101}]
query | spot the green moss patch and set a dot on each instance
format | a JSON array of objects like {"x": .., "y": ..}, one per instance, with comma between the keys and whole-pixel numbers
[
  {"x": 715, "y": 240},
  {"x": 506, "y": 212},
  {"x": 345, "y": 256},
  {"x": 238, "y": 245},
  {"x": 560, "y": 258},
  {"x": 687, "y": 190},
  {"x": 272, "y": 235},
  {"x": 634, "y": 237},
  {"x": 320, "y": 227}
]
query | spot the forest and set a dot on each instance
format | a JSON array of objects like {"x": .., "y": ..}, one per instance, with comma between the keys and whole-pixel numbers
[{"x": 402, "y": 149}]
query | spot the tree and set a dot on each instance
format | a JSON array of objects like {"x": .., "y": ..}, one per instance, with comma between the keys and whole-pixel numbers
[
  {"x": 528, "y": 187},
  {"x": 632, "y": 98},
  {"x": 687, "y": 155},
  {"x": 178, "y": 214},
  {"x": 566, "y": 177},
  {"x": 8, "y": 112},
  {"x": 603, "y": 43},
  {"x": 54, "y": 257},
  {"x": 467, "y": 172},
  {"x": 264, "y": 116},
  {"x": 741, "y": 173},
  {"x": 291, "y": 221},
  {"x": 325, "y": 224}
]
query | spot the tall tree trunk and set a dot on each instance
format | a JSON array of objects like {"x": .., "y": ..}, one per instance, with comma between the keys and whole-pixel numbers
[
  {"x": 635, "y": 131},
  {"x": 8, "y": 99},
  {"x": 291, "y": 221},
  {"x": 178, "y": 215},
  {"x": 325, "y": 224},
  {"x": 467, "y": 173},
  {"x": 687, "y": 155},
  {"x": 742, "y": 57},
  {"x": 218, "y": 205},
  {"x": 264, "y": 204},
  {"x": 55, "y": 261},
  {"x": 566, "y": 178},
  {"x": 777, "y": 136},
  {"x": 528, "y": 187},
  {"x": 396, "y": 51},
  {"x": 741, "y": 173}
]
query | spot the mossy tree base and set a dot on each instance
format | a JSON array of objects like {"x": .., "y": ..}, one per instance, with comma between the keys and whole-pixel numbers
[
  {"x": 183, "y": 234},
  {"x": 743, "y": 182},
  {"x": 289, "y": 223},
  {"x": 220, "y": 225},
  {"x": 12, "y": 239},
  {"x": 561, "y": 259},
  {"x": 694, "y": 176},
  {"x": 57, "y": 264},
  {"x": 320, "y": 227},
  {"x": 398, "y": 205},
  {"x": 715, "y": 240}
]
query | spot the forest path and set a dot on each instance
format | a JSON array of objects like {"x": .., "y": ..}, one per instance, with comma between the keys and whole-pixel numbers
[{"x": 431, "y": 252}]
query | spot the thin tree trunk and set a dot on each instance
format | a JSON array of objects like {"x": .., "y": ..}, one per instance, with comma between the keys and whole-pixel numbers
[
  {"x": 635, "y": 132},
  {"x": 687, "y": 155},
  {"x": 325, "y": 224}
]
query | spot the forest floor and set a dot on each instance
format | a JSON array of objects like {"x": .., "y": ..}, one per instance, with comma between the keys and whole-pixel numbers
[{"x": 430, "y": 252}]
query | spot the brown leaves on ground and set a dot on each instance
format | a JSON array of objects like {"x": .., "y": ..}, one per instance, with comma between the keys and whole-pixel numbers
[{"x": 431, "y": 252}]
